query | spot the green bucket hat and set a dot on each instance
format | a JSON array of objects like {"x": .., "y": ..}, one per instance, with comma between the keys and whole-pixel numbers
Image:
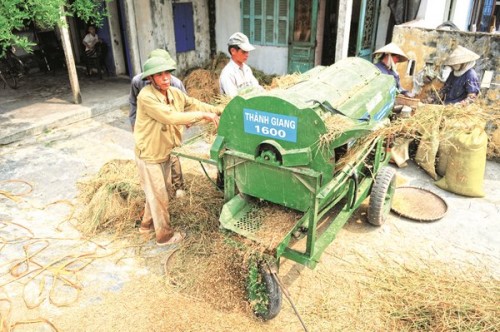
[
  {"x": 157, "y": 65},
  {"x": 161, "y": 53}
]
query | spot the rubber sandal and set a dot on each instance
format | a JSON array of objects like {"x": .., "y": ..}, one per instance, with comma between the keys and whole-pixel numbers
[{"x": 176, "y": 238}]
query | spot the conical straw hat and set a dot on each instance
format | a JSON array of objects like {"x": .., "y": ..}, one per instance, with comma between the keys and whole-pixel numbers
[
  {"x": 461, "y": 55},
  {"x": 392, "y": 49}
]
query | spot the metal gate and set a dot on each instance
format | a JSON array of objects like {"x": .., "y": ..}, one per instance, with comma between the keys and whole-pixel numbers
[{"x": 367, "y": 28}]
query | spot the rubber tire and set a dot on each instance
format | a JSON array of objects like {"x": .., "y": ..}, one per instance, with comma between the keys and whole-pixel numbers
[
  {"x": 274, "y": 293},
  {"x": 381, "y": 196}
]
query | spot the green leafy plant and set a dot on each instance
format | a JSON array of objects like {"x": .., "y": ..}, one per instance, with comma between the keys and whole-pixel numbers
[
  {"x": 45, "y": 14},
  {"x": 256, "y": 288}
]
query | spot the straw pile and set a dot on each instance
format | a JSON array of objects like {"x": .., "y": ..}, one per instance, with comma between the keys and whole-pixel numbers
[
  {"x": 433, "y": 299},
  {"x": 335, "y": 125},
  {"x": 285, "y": 81},
  {"x": 217, "y": 63},
  {"x": 447, "y": 118},
  {"x": 494, "y": 143},
  {"x": 203, "y": 85},
  {"x": 263, "y": 78},
  {"x": 340, "y": 295},
  {"x": 207, "y": 266},
  {"x": 222, "y": 100},
  {"x": 212, "y": 266},
  {"x": 209, "y": 269},
  {"x": 450, "y": 118},
  {"x": 276, "y": 222},
  {"x": 113, "y": 199}
]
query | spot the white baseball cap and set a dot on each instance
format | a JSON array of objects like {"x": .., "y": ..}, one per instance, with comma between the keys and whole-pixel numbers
[{"x": 239, "y": 39}]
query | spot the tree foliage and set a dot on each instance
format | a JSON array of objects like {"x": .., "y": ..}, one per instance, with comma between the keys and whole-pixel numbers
[{"x": 18, "y": 14}]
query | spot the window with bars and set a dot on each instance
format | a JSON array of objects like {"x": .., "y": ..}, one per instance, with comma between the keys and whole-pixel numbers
[{"x": 265, "y": 22}]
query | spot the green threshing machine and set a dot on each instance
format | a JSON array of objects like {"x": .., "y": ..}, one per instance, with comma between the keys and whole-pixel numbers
[{"x": 275, "y": 147}]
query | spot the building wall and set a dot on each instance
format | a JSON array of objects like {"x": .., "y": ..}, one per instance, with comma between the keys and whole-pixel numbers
[
  {"x": 228, "y": 20},
  {"x": 383, "y": 23},
  {"x": 153, "y": 25},
  {"x": 436, "y": 12},
  {"x": 343, "y": 29},
  {"x": 430, "y": 45},
  {"x": 116, "y": 44},
  {"x": 460, "y": 13},
  {"x": 269, "y": 59},
  {"x": 433, "y": 12},
  {"x": 202, "y": 38}
]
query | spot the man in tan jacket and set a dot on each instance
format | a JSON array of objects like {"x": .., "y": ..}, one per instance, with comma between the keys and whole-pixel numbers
[{"x": 161, "y": 110}]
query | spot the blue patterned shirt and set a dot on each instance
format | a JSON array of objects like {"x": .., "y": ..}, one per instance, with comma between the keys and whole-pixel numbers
[
  {"x": 381, "y": 66},
  {"x": 458, "y": 88}
]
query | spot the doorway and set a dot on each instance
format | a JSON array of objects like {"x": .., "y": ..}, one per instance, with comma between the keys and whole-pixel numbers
[
  {"x": 363, "y": 31},
  {"x": 330, "y": 32},
  {"x": 301, "y": 49}
]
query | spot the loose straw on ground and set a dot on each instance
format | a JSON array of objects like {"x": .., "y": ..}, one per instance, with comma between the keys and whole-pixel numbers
[{"x": 15, "y": 196}]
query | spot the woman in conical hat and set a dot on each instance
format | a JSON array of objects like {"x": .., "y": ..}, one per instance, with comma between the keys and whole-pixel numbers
[
  {"x": 462, "y": 86},
  {"x": 387, "y": 57}
]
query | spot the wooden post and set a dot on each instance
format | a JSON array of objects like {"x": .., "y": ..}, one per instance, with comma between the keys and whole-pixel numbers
[
  {"x": 133, "y": 39},
  {"x": 70, "y": 61},
  {"x": 318, "y": 55},
  {"x": 343, "y": 29}
]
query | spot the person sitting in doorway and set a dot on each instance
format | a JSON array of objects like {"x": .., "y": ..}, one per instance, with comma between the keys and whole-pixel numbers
[
  {"x": 237, "y": 75},
  {"x": 462, "y": 85},
  {"x": 90, "y": 41},
  {"x": 386, "y": 59}
]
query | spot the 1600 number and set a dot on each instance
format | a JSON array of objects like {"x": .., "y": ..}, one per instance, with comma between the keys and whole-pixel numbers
[{"x": 270, "y": 131}]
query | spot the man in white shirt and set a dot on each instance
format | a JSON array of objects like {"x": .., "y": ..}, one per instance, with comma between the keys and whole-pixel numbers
[{"x": 237, "y": 75}]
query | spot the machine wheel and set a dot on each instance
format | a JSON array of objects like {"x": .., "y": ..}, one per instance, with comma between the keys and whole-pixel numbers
[
  {"x": 381, "y": 196},
  {"x": 264, "y": 292}
]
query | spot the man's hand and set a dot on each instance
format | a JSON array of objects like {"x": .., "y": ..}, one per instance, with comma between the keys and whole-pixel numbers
[
  {"x": 469, "y": 100},
  {"x": 211, "y": 117}
]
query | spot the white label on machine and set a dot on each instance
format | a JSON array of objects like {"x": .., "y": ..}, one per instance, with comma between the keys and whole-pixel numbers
[
  {"x": 271, "y": 125},
  {"x": 372, "y": 103}
]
